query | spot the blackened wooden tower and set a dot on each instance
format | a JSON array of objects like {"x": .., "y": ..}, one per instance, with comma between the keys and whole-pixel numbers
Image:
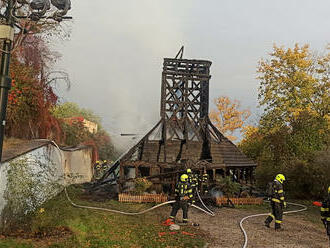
[
  {"x": 185, "y": 103},
  {"x": 184, "y": 137}
]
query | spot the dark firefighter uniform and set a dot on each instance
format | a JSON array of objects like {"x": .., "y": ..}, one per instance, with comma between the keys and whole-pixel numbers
[
  {"x": 325, "y": 213},
  {"x": 193, "y": 182},
  {"x": 277, "y": 202},
  {"x": 204, "y": 181},
  {"x": 183, "y": 193}
]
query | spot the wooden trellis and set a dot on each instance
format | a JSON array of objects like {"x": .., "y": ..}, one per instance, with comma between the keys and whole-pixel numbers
[
  {"x": 239, "y": 201},
  {"x": 158, "y": 198}
]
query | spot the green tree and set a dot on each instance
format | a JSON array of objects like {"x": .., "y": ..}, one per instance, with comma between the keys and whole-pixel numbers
[
  {"x": 71, "y": 109},
  {"x": 76, "y": 133},
  {"x": 291, "y": 82},
  {"x": 293, "y": 135}
]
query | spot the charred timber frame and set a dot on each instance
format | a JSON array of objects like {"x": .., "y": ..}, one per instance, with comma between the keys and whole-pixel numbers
[{"x": 184, "y": 137}]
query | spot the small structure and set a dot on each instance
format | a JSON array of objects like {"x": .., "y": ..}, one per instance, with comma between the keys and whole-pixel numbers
[
  {"x": 89, "y": 125},
  {"x": 184, "y": 137}
]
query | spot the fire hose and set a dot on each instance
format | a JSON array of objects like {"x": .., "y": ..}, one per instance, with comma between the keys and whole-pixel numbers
[
  {"x": 211, "y": 212},
  {"x": 117, "y": 211},
  {"x": 208, "y": 211},
  {"x": 128, "y": 213},
  {"x": 303, "y": 208}
]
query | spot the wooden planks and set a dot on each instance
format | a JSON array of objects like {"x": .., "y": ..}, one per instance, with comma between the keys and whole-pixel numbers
[
  {"x": 239, "y": 201},
  {"x": 158, "y": 198}
]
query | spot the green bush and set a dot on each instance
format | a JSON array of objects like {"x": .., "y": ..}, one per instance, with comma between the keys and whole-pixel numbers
[
  {"x": 141, "y": 185},
  {"x": 227, "y": 186},
  {"x": 305, "y": 179}
]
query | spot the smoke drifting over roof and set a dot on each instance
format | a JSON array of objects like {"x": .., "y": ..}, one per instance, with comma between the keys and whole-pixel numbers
[{"x": 116, "y": 50}]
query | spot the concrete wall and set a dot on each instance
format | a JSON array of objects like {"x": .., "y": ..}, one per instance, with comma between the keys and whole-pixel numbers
[
  {"x": 79, "y": 163},
  {"x": 44, "y": 170}
]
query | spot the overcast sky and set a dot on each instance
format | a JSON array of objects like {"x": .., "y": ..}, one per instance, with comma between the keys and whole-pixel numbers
[{"x": 116, "y": 49}]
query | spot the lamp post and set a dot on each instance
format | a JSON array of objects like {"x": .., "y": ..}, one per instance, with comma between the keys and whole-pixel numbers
[{"x": 10, "y": 12}]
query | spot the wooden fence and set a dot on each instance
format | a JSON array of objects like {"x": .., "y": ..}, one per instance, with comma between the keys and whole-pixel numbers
[
  {"x": 239, "y": 201},
  {"x": 143, "y": 198}
]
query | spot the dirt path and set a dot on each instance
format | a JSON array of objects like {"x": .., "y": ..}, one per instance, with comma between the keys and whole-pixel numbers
[{"x": 225, "y": 231}]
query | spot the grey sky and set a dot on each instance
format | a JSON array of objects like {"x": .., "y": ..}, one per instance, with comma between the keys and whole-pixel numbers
[{"x": 116, "y": 49}]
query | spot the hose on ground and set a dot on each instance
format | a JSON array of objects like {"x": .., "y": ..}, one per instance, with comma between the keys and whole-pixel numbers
[
  {"x": 303, "y": 208},
  {"x": 113, "y": 210},
  {"x": 127, "y": 213},
  {"x": 210, "y": 211}
]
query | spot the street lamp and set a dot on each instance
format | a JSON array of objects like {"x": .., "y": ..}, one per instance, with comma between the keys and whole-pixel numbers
[{"x": 10, "y": 12}]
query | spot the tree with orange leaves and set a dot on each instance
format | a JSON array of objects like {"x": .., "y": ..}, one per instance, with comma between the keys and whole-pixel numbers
[
  {"x": 228, "y": 117},
  {"x": 31, "y": 96}
]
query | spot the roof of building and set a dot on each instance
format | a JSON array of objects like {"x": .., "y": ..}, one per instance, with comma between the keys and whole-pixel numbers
[
  {"x": 15, "y": 148},
  {"x": 223, "y": 152}
]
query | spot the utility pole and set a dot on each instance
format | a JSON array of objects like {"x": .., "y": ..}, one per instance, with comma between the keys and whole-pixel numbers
[{"x": 7, "y": 35}]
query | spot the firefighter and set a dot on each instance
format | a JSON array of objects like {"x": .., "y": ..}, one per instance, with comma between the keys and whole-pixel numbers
[
  {"x": 193, "y": 182},
  {"x": 277, "y": 201},
  {"x": 97, "y": 167},
  {"x": 183, "y": 193},
  {"x": 325, "y": 213},
  {"x": 204, "y": 181}
]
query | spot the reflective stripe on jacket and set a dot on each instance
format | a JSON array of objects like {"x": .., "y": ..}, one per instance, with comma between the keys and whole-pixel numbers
[
  {"x": 183, "y": 189},
  {"x": 325, "y": 209},
  {"x": 278, "y": 195}
]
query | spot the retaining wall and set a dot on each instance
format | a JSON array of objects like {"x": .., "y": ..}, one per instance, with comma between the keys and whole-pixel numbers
[{"x": 38, "y": 175}]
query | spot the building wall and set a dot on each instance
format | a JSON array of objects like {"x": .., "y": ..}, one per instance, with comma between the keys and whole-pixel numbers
[
  {"x": 91, "y": 126},
  {"x": 45, "y": 167},
  {"x": 78, "y": 163}
]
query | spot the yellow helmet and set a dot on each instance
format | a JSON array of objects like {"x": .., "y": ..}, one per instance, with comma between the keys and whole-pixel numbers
[
  {"x": 184, "y": 177},
  {"x": 329, "y": 190},
  {"x": 188, "y": 170},
  {"x": 280, "y": 178}
]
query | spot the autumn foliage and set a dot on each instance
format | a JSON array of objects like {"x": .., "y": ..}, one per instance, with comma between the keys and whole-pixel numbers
[
  {"x": 293, "y": 134},
  {"x": 228, "y": 117},
  {"x": 32, "y": 100},
  {"x": 31, "y": 97}
]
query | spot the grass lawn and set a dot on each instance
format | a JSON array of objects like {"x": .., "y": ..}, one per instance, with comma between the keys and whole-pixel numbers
[{"x": 61, "y": 225}]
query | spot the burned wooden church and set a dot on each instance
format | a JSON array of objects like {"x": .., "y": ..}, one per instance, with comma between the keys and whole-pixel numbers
[{"x": 184, "y": 137}]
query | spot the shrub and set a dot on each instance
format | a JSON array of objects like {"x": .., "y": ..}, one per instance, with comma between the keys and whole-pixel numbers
[
  {"x": 141, "y": 185},
  {"x": 228, "y": 187},
  {"x": 31, "y": 180}
]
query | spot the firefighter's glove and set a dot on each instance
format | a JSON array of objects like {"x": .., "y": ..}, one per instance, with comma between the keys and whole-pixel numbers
[{"x": 284, "y": 204}]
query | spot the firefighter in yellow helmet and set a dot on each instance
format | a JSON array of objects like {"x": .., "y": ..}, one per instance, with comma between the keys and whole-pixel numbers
[
  {"x": 277, "y": 201},
  {"x": 325, "y": 213},
  {"x": 183, "y": 193}
]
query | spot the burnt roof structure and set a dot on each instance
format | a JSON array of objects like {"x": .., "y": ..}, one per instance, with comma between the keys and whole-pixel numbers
[{"x": 184, "y": 136}]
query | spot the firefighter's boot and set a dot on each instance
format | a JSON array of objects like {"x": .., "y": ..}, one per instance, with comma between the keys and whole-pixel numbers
[
  {"x": 268, "y": 221},
  {"x": 278, "y": 227},
  {"x": 267, "y": 224}
]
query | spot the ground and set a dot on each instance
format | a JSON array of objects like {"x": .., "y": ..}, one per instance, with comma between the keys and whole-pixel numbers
[
  {"x": 298, "y": 232},
  {"x": 58, "y": 224}
]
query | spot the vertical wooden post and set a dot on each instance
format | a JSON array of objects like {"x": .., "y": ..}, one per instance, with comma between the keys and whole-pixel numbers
[
  {"x": 239, "y": 175},
  {"x": 251, "y": 175},
  {"x": 136, "y": 171}
]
